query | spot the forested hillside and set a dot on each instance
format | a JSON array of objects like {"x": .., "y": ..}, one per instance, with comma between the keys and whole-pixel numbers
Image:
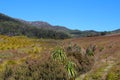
[
  {"x": 39, "y": 29},
  {"x": 10, "y": 26}
]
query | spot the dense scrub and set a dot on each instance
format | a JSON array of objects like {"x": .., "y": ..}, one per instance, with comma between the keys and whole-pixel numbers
[
  {"x": 23, "y": 58},
  {"x": 81, "y": 57},
  {"x": 35, "y": 70}
]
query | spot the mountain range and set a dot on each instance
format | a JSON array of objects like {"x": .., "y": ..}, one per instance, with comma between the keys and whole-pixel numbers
[
  {"x": 33, "y": 50},
  {"x": 40, "y": 29}
]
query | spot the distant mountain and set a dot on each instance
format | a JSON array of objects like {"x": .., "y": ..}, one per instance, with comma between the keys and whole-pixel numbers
[
  {"x": 44, "y": 25},
  {"x": 4, "y": 17},
  {"x": 43, "y": 29},
  {"x": 116, "y": 31},
  {"x": 11, "y": 26},
  {"x": 72, "y": 33},
  {"x": 41, "y": 24}
]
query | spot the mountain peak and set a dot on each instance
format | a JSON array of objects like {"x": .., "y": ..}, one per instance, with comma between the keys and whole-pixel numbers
[{"x": 40, "y": 24}]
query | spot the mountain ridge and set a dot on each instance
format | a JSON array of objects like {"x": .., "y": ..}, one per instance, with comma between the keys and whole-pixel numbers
[
  {"x": 57, "y": 28},
  {"x": 11, "y": 26}
]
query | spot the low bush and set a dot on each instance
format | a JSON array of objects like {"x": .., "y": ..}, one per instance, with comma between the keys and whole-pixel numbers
[{"x": 36, "y": 70}]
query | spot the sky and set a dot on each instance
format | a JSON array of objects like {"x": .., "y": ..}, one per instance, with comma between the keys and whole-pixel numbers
[{"x": 99, "y": 15}]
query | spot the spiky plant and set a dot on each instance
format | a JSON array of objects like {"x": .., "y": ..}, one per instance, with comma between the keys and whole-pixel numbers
[
  {"x": 71, "y": 71},
  {"x": 60, "y": 55}
]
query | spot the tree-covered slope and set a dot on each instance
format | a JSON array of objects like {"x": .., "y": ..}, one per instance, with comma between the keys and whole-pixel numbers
[
  {"x": 10, "y": 26},
  {"x": 40, "y": 29}
]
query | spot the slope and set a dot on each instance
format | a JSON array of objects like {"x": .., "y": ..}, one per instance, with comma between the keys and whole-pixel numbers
[
  {"x": 107, "y": 57},
  {"x": 10, "y": 26}
]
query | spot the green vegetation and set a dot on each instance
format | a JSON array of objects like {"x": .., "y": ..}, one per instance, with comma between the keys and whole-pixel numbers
[
  {"x": 101, "y": 49},
  {"x": 114, "y": 73},
  {"x": 13, "y": 27},
  {"x": 60, "y": 55},
  {"x": 83, "y": 62},
  {"x": 26, "y": 59},
  {"x": 35, "y": 70},
  {"x": 38, "y": 58},
  {"x": 97, "y": 74},
  {"x": 23, "y": 58},
  {"x": 90, "y": 50}
]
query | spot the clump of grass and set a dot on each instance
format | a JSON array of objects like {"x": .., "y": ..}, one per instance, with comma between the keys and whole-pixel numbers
[
  {"x": 114, "y": 73},
  {"x": 112, "y": 76},
  {"x": 34, "y": 50},
  {"x": 91, "y": 50},
  {"x": 6, "y": 55},
  {"x": 60, "y": 55},
  {"x": 101, "y": 49},
  {"x": 11, "y": 62},
  {"x": 110, "y": 46}
]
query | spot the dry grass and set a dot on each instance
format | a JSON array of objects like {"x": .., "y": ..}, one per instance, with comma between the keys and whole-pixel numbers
[{"x": 107, "y": 50}]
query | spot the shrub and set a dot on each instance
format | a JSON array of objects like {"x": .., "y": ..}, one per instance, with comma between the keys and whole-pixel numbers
[
  {"x": 59, "y": 55},
  {"x": 101, "y": 49},
  {"x": 90, "y": 50},
  {"x": 36, "y": 70},
  {"x": 78, "y": 55}
]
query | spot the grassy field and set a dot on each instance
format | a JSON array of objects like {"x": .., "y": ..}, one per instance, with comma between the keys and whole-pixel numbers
[
  {"x": 107, "y": 57},
  {"x": 90, "y": 58},
  {"x": 14, "y": 50}
]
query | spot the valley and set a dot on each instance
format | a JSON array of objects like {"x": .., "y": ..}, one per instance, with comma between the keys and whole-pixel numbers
[
  {"x": 19, "y": 50},
  {"x": 40, "y": 51}
]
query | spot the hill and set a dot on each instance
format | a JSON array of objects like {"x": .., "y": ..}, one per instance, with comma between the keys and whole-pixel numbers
[
  {"x": 107, "y": 57},
  {"x": 72, "y": 33},
  {"x": 116, "y": 31},
  {"x": 40, "y": 29},
  {"x": 10, "y": 26}
]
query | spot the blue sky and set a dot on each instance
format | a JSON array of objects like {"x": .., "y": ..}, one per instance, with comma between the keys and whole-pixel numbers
[{"x": 97, "y": 15}]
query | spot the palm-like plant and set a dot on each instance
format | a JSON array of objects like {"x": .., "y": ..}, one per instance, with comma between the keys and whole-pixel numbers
[
  {"x": 60, "y": 55},
  {"x": 71, "y": 71}
]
